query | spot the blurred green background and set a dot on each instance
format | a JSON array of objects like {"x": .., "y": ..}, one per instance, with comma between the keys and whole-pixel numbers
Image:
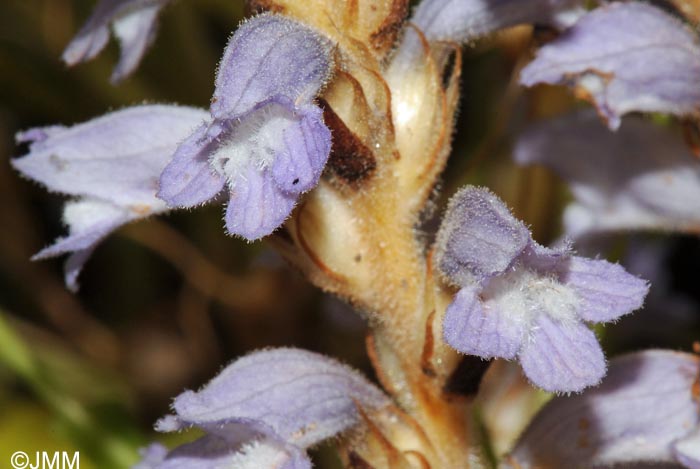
[{"x": 166, "y": 302}]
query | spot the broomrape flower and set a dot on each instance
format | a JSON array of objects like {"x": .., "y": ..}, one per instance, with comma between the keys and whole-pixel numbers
[
  {"x": 110, "y": 166},
  {"x": 518, "y": 299},
  {"x": 643, "y": 412},
  {"x": 640, "y": 177},
  {"x": 266, "y": 140},
  {"x": 624, "y": 57},
  {"x": 462, "y": 21},
  {"x": 264, "y": 410}
]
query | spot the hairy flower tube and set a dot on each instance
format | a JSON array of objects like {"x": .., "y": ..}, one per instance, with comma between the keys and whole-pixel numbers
[{"x": 520, "y": 299}]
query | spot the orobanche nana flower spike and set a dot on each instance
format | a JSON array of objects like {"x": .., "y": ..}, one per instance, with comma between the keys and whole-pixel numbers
[
  {"x": 133, "y": 23},
  {"x": 644, "y": 412},
  {"x": 383, "y": 88},
  {"x": 264, "y": 410},
  {"x": 111, "y": 165},
  {"x": 520, "y": 299},
  {"x": 266, "y": 140}
]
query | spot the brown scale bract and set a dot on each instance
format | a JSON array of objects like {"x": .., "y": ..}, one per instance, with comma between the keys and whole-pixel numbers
[{"x": 373, "y": 23}]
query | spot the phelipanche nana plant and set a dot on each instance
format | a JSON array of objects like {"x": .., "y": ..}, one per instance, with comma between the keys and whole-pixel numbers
[{"x": 327, "y": 135}]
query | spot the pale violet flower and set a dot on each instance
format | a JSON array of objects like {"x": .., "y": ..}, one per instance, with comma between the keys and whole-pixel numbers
[
  {"x": 644, "y": 412},
  {"x": 110, "y": 166},
  {"x": 518, "y": 299},
  {"x": 265, "y": 410},
  {"x": 465, "y": 20},
  {"x": 462, "y": 21},
  {"x": 266, "y": 142},
  {"x": 624, "y": 57},
  {"x": 641, "y": 177},
  {"x": 133, "y": 23}
]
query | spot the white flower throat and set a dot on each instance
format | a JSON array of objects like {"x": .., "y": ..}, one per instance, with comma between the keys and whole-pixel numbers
[
  {"x": 253, "y": 141},
  {"x": 523, "y": 294}
]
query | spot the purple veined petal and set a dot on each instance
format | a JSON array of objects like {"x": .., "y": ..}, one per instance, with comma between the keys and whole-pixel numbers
[
  {"x": 134, "y": 25},
  {"x": 189, "y": 180},
  {"x": 268, "y": 56},
  {"x": 643, "y": 405},
  {"x": 117, "y": 157},
  {"x": 297, "y": 397},
  {"x": 257, "y": 207},
  {"x": 687, "y": 450},
  {"x": 627, "y": 56},
  {"x": 89, "y": 222},
  {"x": 215, "y": 452},
  {"x": 562, "y": 357},
  {"x": 472, "y": 328},
  {"x": 464, "y": 20},
  {"x": 639, "y": 177},
  {"x": 479, "y": 237},
  {"x": 307, "y": 144},
  {"x": 607, "y": 290}
]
